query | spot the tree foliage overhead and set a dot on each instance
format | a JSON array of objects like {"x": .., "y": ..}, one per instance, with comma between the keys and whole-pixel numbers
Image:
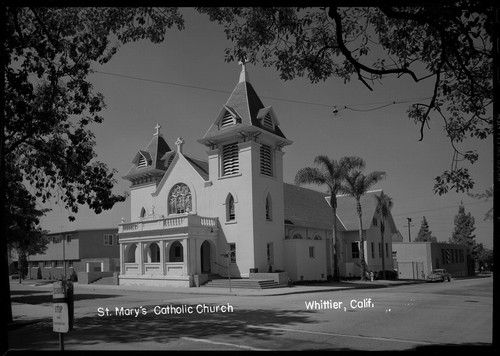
[
  {"x": 50, "y": 105},
  {"x": 447, "y": 43},
  {"x": 486, "y": 195}
]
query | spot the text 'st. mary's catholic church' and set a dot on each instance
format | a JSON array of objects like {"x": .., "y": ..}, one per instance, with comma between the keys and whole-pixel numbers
[{"x": 233, "y": 214}]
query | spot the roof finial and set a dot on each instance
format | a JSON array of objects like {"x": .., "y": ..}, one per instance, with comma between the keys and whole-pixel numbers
[
  {"x": 157, "y": 127},
  {"x": 179, "y": 144},
  {"x": 243, "y": 74}
]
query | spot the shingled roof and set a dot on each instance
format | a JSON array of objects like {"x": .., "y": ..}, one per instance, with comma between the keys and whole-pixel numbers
[
  {"x": 307, "y": 207},
  {"x": 245, "y": 104},
  {"x": 346, "y": 211},
  {"x": 154, "y": 154}
]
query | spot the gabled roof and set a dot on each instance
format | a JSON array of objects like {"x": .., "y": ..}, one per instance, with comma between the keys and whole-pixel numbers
[
  {"x": 346, "y": 210},
  {"x": 200, "y": 166},
  {"x": 310, "y": 208},
  {"x": 306, "y": 207},
  {"x": 154, "y": 154},
  {"x": 245, "y": 102}
]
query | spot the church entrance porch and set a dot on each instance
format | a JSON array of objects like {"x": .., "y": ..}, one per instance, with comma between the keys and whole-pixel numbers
[{"x": 169, "y": 256}]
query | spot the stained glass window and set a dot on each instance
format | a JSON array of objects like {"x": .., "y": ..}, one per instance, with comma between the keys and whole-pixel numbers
[{"x": 179, "y": 200}]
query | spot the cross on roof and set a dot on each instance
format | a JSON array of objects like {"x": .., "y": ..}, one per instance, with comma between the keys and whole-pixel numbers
[
  {"x": 157, "y": 127},
  {"x": 179, "y": 144},
  {"x": 243, "y": 74}
]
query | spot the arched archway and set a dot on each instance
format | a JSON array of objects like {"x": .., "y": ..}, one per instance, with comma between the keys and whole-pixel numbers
[
  {"x": 176, "y": 252},
  {"x": 205, "y": 255},
  {"x": 153, "y": 253},
  {"x": 130, "y": 253}
]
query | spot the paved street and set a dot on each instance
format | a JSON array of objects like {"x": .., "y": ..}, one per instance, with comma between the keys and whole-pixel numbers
[{"x": 344, "y": 316}]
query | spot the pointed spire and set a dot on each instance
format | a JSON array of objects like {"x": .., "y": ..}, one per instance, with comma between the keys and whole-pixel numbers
[{"x": 243, "y": 74}]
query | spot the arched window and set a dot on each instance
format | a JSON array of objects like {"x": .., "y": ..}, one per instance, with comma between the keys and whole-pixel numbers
[
  {"x": 154, "y": 253},
  {"x": 230, "y": 214},
  {"x": 269, "y": 208},
  {"x": 297, "y": 236},
  {"x": 176, "y": 252},
  {"x": 179, "y": 199},
  {"x": 143, "y": 213},
  {"x": 130, "y": 255},
  {"x": 317, "y": 237}
]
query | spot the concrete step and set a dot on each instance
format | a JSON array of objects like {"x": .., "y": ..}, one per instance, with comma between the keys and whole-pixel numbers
[
  {"x": 243, "y": 283},
  {"x": 104, "y": 281}
]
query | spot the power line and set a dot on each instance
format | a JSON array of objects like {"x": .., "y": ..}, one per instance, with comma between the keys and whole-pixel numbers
[{"x": 335, "y": 107}]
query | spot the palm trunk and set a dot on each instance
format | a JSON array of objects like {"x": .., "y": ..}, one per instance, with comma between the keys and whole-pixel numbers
[
  {"x": 362, "y": 243},
  {"x": 335, "y": 258},
  {"x": 382, "y": 230}
]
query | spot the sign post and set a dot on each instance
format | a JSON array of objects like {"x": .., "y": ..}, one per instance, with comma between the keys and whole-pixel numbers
[{"x": 62, "y": 301}]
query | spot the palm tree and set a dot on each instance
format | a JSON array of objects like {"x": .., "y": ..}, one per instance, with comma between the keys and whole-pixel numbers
[
  {"x": 356, "y": 185},
  {"x": 331, "y": 174},
  {"x": 384, "y": 206}
]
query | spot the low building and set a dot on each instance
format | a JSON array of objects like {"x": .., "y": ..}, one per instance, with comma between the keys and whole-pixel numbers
[
  {"x": 86, "y": 250},
  {"x": 415, "y": 260}
]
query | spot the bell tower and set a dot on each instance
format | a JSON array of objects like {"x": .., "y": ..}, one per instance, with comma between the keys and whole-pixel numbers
[{"x": 246, "y": 170}]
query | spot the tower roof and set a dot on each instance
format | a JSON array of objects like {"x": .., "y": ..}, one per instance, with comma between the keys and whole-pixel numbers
[
  {"x": 247, "y": 112},
  {"x": 150, "y": 160}
]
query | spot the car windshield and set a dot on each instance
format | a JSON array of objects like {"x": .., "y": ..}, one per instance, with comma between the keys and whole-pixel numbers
[{"x": 437, "y": 271}]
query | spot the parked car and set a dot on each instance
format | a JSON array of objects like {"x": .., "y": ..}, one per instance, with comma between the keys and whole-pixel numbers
[{"x": 439, "y": 275}]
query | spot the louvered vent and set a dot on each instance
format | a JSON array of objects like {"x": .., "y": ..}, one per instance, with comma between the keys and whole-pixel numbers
[
  {"x": 227, "y": 120},
  {"x": 267, "y": 121},
  {"x": 142, "y": 162},
  {"x": 230, "y": 160},
  {"x": 266, "y": 163}
]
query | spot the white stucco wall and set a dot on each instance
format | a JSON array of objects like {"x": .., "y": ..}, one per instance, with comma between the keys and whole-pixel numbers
[{"x": 299, "y": 264}]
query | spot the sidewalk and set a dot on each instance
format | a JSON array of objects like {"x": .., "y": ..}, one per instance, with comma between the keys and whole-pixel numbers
[{"x": 294, "y": 289}]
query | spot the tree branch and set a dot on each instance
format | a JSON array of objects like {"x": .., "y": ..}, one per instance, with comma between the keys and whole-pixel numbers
[{"x": 332, "y": 13}]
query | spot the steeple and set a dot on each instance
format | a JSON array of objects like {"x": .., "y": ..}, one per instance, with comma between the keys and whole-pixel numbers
[{"x": 244, "y": 113}]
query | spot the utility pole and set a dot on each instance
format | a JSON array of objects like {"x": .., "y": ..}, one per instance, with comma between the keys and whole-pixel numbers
[{"x": 409, "y": 225}]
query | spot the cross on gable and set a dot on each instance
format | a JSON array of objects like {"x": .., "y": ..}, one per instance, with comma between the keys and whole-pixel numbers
[{"x": 179, "y": 144}]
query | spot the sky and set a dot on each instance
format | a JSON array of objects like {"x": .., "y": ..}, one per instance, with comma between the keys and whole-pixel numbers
[{"x": 183, "y": 83}]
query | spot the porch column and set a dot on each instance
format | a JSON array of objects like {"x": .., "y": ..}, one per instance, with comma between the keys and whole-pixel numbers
[
  {"x": 122, "y": 259},
  {"x": 188, "y": 261},
  {"x": 162, "y": 257},
  {"x": 140, "y": 262},
  {"x": 186, "y": 255}
]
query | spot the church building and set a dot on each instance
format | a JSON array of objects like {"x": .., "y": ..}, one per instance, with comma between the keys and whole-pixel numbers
[{"x": 232, "y": 215}]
